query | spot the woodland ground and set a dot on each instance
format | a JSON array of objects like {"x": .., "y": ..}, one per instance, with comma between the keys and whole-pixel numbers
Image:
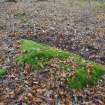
[{"x": 60, "y": 23}]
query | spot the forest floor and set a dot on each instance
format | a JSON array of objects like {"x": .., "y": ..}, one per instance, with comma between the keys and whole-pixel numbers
[{"x": 60, "y": 23}]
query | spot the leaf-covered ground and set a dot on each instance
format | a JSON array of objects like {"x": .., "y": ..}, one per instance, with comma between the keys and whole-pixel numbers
[{"x": 67, "y": 25}]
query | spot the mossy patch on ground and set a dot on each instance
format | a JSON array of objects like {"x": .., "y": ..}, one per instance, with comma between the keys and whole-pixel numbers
[
  {"x": 38, "y": 55},
  {"x": 3, "y": 72}
]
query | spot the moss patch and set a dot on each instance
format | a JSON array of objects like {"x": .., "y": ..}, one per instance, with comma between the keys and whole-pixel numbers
[
  {"x": 38, "y": 55},
  {"x": 3, "y": 72}
]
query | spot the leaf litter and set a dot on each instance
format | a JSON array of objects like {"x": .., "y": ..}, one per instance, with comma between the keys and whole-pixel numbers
[{"x": 46, "y": 86}]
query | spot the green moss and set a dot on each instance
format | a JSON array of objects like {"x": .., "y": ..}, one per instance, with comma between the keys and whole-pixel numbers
[
  {"x": 2, "y": 72},
  {"x": 37, "y": 55},
  {"x": 82, "y": 79}
]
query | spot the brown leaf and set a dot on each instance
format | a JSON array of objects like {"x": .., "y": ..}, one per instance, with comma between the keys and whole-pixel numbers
[
  {"x": 12, "y": 94},
  {"x": 63, "y": 74},
  {"x": 89, "y": 68},
  {"x": 71, "y": 62},
  {"x": 30, "y": 96},
  {"x": 21, "y": 98},
  {"x": 1, "y": 103},
  {"x": 1, "y": 60},
  {"x": 39, "y": 91},
  {"x": 27, "y": 69}
]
